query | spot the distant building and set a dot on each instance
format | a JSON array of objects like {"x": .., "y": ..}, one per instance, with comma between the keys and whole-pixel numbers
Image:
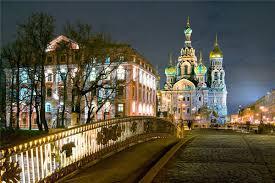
[
  {"x": 262, "y": 110},
  {"x": 233, "y": 118},
  {"x": 190, "y": 85},
  {"x": 135, "y": 94}
]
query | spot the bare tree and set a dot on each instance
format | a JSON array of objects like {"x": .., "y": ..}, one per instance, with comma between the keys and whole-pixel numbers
[
  {"x": 13, "y": 54},
  {"x": 3, "y": 100},
  {"x": 63, "y": 51},
  {"x": 38, "y": 32},
  {"x": 92, "y": 47}
]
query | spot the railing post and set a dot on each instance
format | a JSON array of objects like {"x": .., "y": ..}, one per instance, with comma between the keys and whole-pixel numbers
[
  {"x": 42, "y": 167},
  {"x": 23, "y": 167},
  {"x": 37, "y": 162},
  {"x": 28, "y": 168}
]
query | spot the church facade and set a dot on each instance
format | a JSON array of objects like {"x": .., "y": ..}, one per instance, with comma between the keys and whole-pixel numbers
[{"x": 190, "y": 86}]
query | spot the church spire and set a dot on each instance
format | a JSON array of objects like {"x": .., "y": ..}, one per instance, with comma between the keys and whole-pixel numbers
[
  {"x": 200, "y": 57},
  {"x": 170, "y": 59},
  {"x": 188, "y": 22},
  {"x": 216, "y": 40},
  {"x": 188, "y": 32}
]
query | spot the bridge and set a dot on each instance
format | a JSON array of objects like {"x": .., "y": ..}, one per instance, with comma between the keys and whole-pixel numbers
[{"x": 49, "y": 158}]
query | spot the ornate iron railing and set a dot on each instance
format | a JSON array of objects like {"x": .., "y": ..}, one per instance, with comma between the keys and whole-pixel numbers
[{"x": 49, "y": 158}]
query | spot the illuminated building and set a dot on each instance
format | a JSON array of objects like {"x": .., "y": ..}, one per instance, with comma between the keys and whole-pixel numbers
[
  {"x": 135, "y": 94},
  {"x": 190, "y": 85},
  {"x": 262, "y": 110}
]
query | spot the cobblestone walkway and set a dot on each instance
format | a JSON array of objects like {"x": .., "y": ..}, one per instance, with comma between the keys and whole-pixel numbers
[{"x": 218, "y": 156}]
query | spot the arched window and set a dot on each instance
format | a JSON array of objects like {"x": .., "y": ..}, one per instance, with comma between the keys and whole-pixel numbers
[
  {"x": 185, "y": 69},
  {"x": 24, "y": 94},
  {"x": 24, "y": 76},
  {"x": 216, "y": 76},
  {"x": 221, "y": 76}
]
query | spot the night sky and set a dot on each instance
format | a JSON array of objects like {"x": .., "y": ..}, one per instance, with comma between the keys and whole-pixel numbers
[{"x": 246, "y": 33}]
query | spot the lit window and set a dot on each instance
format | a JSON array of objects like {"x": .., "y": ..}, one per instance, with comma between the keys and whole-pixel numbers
[
  {"x": 144, "y": 108},
  {"x": 93, "y": 75},
  {"x": 24, "y": 94},
  {"x": 120, "y": 73},
  {"x": 108, "y": 60},
  {"x": 147, "y": 109},
  {"x": 140, "y": 76},
  {"x": 134, "y": 106},
  {"x": 134, "y": 73},
  {"x": 107, "y": 106},
  {"x": 140, "y": 108},
  {"x": 120, "y": 107},
  {"x": 24, "y": 77},
  {"x": 48, "y": 107}
]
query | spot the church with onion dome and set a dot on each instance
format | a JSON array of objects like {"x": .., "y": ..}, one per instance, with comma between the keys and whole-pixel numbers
[{"x": 192, "y": 88}]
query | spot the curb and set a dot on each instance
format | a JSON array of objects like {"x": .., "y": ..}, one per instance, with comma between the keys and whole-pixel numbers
[{"x": 151, "y": 174}]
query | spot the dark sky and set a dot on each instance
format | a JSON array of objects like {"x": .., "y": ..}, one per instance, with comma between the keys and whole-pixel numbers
[{"x": 246, "y": 34}]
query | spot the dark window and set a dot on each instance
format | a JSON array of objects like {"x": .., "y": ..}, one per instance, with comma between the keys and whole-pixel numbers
[
  {"x": 49, "y": 92},
  {"x": 134, "y": 92},
  {"x": 49, "y": 59},
  {"x": 76, "y": 56},
  {"x": 120, "y": 91},
  {"x": 188, "y": 110},
  {"x": 63, "y": 76},
  {"x": 185, "y": 69},
  {"x": 24, "y": 118},
  {"x": 183, "y": 98},
  {"x": 188, "y": 98},
  {"x": 50, "y": 75},
  {"x": 199, "y": 98},
  {"x": 216, "y": 75},
  {"x": 62, "y": 59}
]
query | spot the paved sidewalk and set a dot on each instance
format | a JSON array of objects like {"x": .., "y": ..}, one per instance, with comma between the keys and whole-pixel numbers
[
  {"x": 126, "y": 166},
  {"x": 222, "y": 156}
]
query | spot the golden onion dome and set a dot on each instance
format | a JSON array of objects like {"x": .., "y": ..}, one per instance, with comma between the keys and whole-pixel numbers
[
  {"x": 216, "y": 52},
  {"x": 170, "y": 71}
]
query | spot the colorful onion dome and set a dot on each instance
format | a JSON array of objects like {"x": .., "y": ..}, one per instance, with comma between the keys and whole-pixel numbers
[{"x": 200, "y": 69}]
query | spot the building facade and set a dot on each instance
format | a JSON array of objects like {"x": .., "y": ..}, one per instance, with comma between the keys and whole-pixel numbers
[
  {"x": 134, "y": 78},
  {"x": 190, "y": 85},
  {"x": 263, "y": 110}
]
